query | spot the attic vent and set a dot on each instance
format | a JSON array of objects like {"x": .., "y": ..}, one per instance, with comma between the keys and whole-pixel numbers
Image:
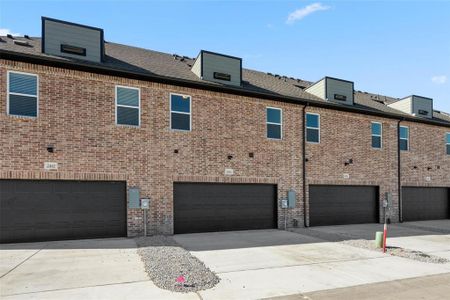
[
  {"x": 340, "y": 97},
  {"x": 73, "y": 49},
  {"x": 423, "y": 112},
  {"x": 300, "y": 86},
  {"x": 22, "y": 43},
  {"x": 222, "y": 76},
  {"x": 9, "y": 36}
]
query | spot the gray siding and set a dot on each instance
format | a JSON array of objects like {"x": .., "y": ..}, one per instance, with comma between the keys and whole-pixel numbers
[
  {"x": 217, "y": 63},
  {"x": 57, "y": 33},
  {"x": 339, "y": 87},
  {"x": 421, "y": 103},
  {"x": 317, "y": 89},
  {"x": 404, "y": 105}
]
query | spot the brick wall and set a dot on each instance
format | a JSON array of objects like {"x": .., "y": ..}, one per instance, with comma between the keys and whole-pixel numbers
[
  {"x": 77, "y": 116},
  {"x": 347, "y": 136}
]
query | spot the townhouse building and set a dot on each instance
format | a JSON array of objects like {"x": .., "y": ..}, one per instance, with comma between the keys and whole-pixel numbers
[{"x": 90, "y": 128}]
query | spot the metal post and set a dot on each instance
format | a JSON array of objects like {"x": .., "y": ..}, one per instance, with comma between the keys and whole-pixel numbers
[{"x": 145, "y": 222}]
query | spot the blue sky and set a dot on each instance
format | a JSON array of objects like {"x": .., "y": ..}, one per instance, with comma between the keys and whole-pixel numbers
[{"x": 395, "y": 48}]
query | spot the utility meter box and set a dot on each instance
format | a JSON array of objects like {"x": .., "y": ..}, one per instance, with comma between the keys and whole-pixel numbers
[
  {"x": 145, "y": 203},
  {"x": 387, "y": 199},
  {"x": 292, "y": 198}
]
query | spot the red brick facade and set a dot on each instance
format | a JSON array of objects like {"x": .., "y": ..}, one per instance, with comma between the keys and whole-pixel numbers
[{"x": 77, "y": 116}]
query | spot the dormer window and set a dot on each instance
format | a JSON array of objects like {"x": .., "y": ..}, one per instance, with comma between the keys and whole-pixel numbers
[
  {"x": 219, "y": 68},
  {"x": 333, "y": 89}
]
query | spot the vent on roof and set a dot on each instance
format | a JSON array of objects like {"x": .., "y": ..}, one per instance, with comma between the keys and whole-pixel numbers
[
  {"x": 300, "y": 86},
  {"x": 72, "y": 40},
  {"x": 415, "y": 105},
  {"x": 217, "y": 67},
  {"x": 333, "y": 89},
  {"x": 22, "y": 43},
  {"x": 9, "y": 36},
  {"x": 73, "y": 50},
  {"x": 27, "y": 37}
]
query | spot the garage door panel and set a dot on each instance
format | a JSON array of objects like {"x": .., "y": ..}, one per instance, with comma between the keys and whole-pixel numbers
[
  {"x": 52, "y": 210},
  {"x": 425, "y": 203},
  {"x": 207, "y": 207},
  {"x": 339, "y": 205}
]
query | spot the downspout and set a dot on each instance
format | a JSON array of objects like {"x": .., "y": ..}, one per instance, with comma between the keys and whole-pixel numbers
[
  {"x": 399, "y": 181},
  {"x": 304, "y": 162}
]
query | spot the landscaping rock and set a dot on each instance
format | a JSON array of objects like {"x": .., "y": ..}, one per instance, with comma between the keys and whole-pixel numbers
[
  {"x": 397, "y": 251},
  {"x": 171, "y": 267}
]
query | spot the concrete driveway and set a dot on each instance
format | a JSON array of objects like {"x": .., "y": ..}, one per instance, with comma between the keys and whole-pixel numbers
[
  {"x": 82, "y": 269},
  {"x": 270, "y": 263}
]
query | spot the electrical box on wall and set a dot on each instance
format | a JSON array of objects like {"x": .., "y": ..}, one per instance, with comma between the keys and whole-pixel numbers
[
  {"x": 133, "y": 197},
  {"x": 145, "y": 203},
  {"x": 292, "y": 198}
]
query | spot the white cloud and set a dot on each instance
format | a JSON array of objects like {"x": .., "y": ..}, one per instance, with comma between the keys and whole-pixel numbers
[
  {"x": 440, "y": 79},
  {"x": 5, "y": 31},
  {"x": 305, "y": 11}
]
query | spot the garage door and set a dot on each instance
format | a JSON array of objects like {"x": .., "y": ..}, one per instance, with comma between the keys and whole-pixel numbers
[
  {"x": 53, "y": 210},
  {"x": 206, "y": 207},
  {"x": 336, "y": 204},
  {"x": 425, "y": 203}
]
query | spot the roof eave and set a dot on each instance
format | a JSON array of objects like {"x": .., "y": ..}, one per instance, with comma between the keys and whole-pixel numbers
[{"x": 50, "y": 61}]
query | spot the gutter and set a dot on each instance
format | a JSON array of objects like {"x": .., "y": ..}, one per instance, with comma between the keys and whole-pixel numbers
[
  {"x": 148, "y": 76},
  {"x": 305, "y": 223},
  {"x": 399, "y": 178}
]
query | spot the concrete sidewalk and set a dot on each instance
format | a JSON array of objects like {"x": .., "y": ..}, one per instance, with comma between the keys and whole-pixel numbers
[
  {"x": 82, "y": 269},
  {"x": 251, "y": 266}
]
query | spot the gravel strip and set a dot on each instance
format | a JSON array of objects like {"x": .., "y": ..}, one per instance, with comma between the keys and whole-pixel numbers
[
  {"x": 397, "y": 251},
  {"x": 165, "y": 261}
]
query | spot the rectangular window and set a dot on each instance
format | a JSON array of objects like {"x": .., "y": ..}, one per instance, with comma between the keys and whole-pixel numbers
[
  {"x": 312, "y": 128},
  {"x": 22, "y": 94},
  {"x": 180, "y": 112},
  {"x": 377, "y": 129},
  {"x": 274, "y": 122},
  {"x": 404, "y": 138},
  {"x": 447, "y": 142},
  {"x": 128, "y": 103}
]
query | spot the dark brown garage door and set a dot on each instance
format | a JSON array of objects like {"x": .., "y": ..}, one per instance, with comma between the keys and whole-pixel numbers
[
  {"x": 207, "y": 207},
  {"x": 54, "y": 210},
  {"x": 425, "y": 203},
  {"x": 337, "y": 205}
]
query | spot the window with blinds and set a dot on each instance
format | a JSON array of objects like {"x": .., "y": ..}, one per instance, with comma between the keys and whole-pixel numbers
[
  {"x": 22, "y": 94},
  {"x": 128, "y": 104}
]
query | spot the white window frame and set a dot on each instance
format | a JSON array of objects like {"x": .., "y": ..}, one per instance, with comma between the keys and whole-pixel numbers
[
  {"x": 309, "y": 127},
  {"x": 380, "y": 135},
  {"x": 20, "y": 94},
  {"x": 399, "y": 138},
  {"x": 281, "y": 123},
  {"x": 129, "y": 106},
  {"x": 446, "y": 143},
  {"x": 180, "y": 112}
]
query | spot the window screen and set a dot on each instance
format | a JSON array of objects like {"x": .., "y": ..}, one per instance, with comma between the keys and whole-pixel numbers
[
  {"x": 274, "y": 123},
  {"x": 127, "y": 106},
  {"x": 376, "y": 135},
  {"x": 404, "y": 138},
  {"x": 180, "y": 112},
  {"x": 312, "y": 128},
  {"x": 22, "y": 94}
]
